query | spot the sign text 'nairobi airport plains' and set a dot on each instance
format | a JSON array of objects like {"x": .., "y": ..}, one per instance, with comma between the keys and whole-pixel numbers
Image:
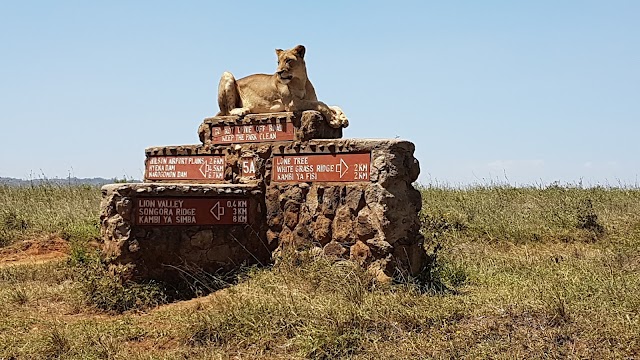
[
  {"x": 207, "y": 167},
  {"x": 191, "y": 211},
  {"x": 321, "y": 167},
  {"x": 252, "y": 133}
]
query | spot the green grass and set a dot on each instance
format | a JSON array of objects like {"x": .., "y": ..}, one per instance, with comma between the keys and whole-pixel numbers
[
  {"x": 518, "y": 273},
  {"x": 68, "y": 211}
]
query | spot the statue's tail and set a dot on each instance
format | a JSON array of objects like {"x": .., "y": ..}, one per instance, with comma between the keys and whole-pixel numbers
[{"x": 228, "y": 96}]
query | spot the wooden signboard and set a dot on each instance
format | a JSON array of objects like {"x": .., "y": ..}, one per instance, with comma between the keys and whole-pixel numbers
[
  {"x": 233, "y": 134},
  {"x": 202, "y": 167},
  {"x": 154, "y": 211},
  {"x": 321, "y": 167}
]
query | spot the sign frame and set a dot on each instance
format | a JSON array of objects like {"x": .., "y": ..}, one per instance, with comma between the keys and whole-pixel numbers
[
  {"x": 252, "y": 133},
  {"x": 185, "y": 167},
  {"x": 335, "y": 167},
  {"x": 192, "y": 211}
]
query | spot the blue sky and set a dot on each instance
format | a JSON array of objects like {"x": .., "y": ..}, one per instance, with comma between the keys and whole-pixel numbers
[{"x": 510, "y": 91}]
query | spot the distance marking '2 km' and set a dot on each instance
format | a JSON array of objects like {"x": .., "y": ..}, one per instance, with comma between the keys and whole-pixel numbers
[
  {"x": 348, "y": 167},
  {"x": 202, "y": 167}
]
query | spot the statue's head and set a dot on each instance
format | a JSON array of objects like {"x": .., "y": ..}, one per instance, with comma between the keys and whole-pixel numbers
[{"x": 291, "y": 64}]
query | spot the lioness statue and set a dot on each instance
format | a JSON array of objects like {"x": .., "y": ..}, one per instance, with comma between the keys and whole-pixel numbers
[{"x": 289, "y": 89}]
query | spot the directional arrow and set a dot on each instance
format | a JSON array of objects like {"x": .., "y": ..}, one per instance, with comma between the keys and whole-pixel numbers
[
  {"x": 217, "y": 210},
  {"x": 342, "y": 167},
  {"x": 207, "y": 168}
]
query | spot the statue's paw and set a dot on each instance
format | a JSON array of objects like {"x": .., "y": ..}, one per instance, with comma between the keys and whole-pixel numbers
[
  {"x": 239, "y": 111},
  {"x": 277, "y": 106},
  {"x": 339, "y": 119}
]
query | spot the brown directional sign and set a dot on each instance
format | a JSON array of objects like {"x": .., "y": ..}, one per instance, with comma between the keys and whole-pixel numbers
[
  {"x": 321, "y": 167},
  {"x": 154, "y": 211},
  {"x": 203, "y": 167},
  {"x": 252, "y": 133}
]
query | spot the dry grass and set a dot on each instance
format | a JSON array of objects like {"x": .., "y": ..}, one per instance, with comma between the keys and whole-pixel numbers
[
  {"x": 28, "y": 211},
  {"x": 536, "y": 273}
]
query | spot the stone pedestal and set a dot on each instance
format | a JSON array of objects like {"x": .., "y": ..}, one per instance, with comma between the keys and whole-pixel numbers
[
  {"x": 349, "y": 198},
  {"x": 158, "y": 230},
  {"x": 260, "y": 128},
  {"x": 369, "y": 214}
]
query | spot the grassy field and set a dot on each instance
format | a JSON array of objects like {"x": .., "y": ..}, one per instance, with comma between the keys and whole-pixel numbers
[{"x": 517, "y": 273}]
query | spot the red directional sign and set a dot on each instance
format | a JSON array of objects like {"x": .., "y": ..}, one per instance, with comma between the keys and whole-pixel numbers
[
  {"x": 155, "y": 211},
  {"x": 321, "y": 167},
  {"x": 252, "y": 133},
  {"x": 202, "y": 167}
]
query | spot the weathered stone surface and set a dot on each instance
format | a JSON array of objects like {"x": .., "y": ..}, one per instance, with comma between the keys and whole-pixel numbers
[
  {"x": 373, "y": 222},
  {"x": 307, "y": 125},
  {"x": 334, "y": 250},
  {"x": 343, "y": 225},
  {"x": 360, "y": 253},
  {"x": 321, "y": 230},
  {"x": 156, "y": 251}
]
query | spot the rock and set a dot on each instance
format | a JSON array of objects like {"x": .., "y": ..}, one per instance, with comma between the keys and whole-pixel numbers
[
  {"x": 328, "y": 199},
  {"x": 321, "y": 229},
  {"x": 365, "y": 228},
  {"x": 360, "y": 253},
  {"x": 220, "y": 253},
  {"x": 291, "y": 213},
  {"x": 343, "y": 225},
  {"x": 354, "y": 198},
  {"x": 202, "y": 239},
  {"x": 334, "y": 250},
  {"x": 409, "y": 258},
  {"x": 124, "y": 208}
]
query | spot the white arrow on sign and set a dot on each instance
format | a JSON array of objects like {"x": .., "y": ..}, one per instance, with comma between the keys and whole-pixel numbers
[
  {"x": 217, "y": 210},
  {"x": 207, "y": 167},
  {"x": 342, "y": 168}
]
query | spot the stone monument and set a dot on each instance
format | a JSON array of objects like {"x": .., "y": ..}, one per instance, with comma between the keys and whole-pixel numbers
[{"x": 259, "y": 184}]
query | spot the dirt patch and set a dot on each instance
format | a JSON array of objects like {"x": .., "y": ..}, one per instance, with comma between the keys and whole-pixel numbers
[{"x": 34, "y": 251}]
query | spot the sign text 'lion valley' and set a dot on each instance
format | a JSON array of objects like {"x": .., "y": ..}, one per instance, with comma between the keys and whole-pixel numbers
[
  {"x": 191, "y": 211},
  {"x": 204, "y": 167},
  {"x": 321, "y": 167},
  {"x": 252, "y": 133}
]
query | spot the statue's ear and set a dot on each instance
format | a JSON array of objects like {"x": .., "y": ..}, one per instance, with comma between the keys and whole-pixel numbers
[
  {"x": 300, "y": 50},
  {"x": 278, "y": 52}
]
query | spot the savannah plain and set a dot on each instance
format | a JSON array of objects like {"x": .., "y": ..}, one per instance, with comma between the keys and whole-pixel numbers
[{"x": 535, "y": 272}]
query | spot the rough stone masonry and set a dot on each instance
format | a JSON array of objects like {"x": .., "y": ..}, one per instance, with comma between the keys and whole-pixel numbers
[{"x": 346, "y": 198}]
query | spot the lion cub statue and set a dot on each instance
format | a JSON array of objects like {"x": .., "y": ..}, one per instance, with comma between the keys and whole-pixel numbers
[{"x": 289, "y": 89}]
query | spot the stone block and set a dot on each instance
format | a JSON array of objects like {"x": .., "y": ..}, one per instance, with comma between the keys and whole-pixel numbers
[
  {"x": 370, "y": 217},
  {"x": 262, "y": 128},
  {"x": 156, "y": 229}
]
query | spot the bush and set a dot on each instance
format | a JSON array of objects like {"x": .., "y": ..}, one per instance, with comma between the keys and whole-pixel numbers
[{"x": 106, "y": 290}]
